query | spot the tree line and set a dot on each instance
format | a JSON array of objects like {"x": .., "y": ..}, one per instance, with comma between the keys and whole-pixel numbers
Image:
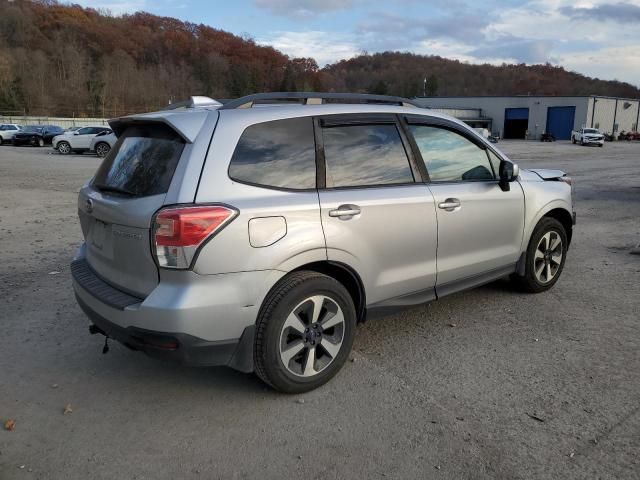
[{"x": 58, "y": 59}]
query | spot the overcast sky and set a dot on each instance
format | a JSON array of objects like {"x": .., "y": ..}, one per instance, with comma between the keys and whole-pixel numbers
[{"x": 599, "y": 38}]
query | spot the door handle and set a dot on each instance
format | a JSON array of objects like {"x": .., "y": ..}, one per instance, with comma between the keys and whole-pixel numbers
[
  {"x": 450, "y": 204},
  {"x": 344, "y": 212}
]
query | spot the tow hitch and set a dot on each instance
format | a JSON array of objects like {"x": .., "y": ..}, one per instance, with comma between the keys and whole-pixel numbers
[{"x": 93, "y": 330}]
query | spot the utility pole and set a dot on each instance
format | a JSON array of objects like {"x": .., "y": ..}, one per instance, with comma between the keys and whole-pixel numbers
[{"x": 424, "y": 87}]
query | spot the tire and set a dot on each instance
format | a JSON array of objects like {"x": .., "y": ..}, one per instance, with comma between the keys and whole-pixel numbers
[
  {"x": 541, "y": 255},
  {"x": 102, "y": 149},
  {"x": 37, "y": 142},
  {"x": 64, "y": 148},
  {"x": 286, "y": 335}
]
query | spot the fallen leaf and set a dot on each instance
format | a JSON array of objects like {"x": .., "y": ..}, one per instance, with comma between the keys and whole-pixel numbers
[
  {"x": 535, "y": 417},
  {"x": 453, "y": 325},
  {"x": 9, "y": 425},
  {"x": 67, "y": 409}
]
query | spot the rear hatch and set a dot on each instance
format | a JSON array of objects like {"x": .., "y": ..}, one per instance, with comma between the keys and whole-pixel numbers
[{"x": 117, "y": 206}]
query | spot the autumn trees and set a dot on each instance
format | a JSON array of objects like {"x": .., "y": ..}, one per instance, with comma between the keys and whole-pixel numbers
[{"x": 67, "y": 60}]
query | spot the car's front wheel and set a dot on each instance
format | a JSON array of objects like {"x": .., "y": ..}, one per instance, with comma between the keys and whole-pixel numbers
[
  {"x": 545, "y": 257},
  {"x": 64, "y": 148},
  {"x": 102, "y": 149},
  {"x": 304, "y": 332}
]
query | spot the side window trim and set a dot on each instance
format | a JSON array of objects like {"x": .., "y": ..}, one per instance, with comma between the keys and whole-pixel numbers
[
  {"x": 321, "y": 165},
  {"x": 408, "y": 120},
  {"x": 349, "y": 119}
]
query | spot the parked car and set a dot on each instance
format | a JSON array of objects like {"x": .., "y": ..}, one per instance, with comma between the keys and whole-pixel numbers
[
  {"x": 547, "y": 137},
  {"x": 258, "y": 238},
  {"x": 7, "y": 131},
  {"x": 36, "y": 135},
  {"x": 587, "y": 136},
  {"x": 102, "y": 143},
  {"x": 78, "y": 140},
  {"x": 629, "y": 136}
]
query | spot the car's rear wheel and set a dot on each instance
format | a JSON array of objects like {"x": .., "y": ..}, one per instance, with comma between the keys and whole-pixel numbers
[
  {"x": 102, "y": 149},
  {"x": 545, "y": 257},
  {"x": 64, "y": 148},
  {"x": 304, "y": 332}
]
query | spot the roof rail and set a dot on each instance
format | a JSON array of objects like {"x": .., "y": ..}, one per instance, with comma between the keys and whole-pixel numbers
[
  {"x": 315, "y": 98},
  {"x": 195, "y": 101}
]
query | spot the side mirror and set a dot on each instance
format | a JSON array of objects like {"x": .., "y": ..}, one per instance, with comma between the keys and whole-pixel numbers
[
  {"x": 76, "y": 132},
  {"x": 508, "y": 173}
]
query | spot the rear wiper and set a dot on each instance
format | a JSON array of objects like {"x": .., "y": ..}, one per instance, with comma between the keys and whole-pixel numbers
[{"x": 109, "y": 188}]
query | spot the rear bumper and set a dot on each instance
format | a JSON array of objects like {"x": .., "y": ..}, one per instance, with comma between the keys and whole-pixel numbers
[
  {"x": 177, "y": 347},
  {"x": 200, "y": 320}
]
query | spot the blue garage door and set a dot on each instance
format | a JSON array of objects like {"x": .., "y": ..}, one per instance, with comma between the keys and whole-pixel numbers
[
  {"x": 560, "y": 121},
  {"x": 516, "y": 114}
]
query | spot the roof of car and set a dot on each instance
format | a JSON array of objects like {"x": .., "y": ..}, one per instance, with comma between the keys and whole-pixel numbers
[{"x": 187, "y": 118}]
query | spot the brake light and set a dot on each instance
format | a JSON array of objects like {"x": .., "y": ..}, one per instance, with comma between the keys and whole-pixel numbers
[{"x": 178, "y": 232}]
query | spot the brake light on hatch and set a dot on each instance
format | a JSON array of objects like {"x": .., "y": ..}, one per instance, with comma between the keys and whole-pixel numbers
[{"x": 178, "y": 232}]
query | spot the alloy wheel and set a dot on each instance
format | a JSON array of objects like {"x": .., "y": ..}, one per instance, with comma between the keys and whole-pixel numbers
[
  {"x": 64, "y": 148},
  {"x": 548, "y": 257},
  {"x": 312, "y": 336},
  {"x": 102, "y": 150}
]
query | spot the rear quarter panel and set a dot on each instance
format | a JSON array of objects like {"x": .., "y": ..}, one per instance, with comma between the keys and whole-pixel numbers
[{"x": 231, "y": 249}]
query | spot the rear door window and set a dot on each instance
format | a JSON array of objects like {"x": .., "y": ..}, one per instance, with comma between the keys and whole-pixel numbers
[
  {"x": 365, "y": 155},
  {"x": 279, "y": 154},
  {"x": 141, "y": 163}
]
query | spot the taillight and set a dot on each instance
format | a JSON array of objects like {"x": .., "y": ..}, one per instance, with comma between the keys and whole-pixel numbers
[{"x": 178, "y": 232}]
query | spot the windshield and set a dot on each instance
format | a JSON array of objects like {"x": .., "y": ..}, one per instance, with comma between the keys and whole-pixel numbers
[
  {"x": 591, "y": 130},
  {"x": 32, "y": 129}
]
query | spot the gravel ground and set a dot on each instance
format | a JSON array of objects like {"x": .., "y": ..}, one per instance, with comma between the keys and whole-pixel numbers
[{"x": 488, "y": 383}]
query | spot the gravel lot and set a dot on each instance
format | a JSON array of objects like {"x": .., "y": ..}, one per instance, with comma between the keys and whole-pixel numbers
[{"x": 484, "y": 384}]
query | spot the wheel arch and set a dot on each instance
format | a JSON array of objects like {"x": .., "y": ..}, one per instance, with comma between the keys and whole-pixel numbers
[
  {"x": 344, "y": 274},
  {"x": 564, "y": 217}
]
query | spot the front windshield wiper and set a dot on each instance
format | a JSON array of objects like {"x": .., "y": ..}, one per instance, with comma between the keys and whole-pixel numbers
[{"x": 109, "y": 188}]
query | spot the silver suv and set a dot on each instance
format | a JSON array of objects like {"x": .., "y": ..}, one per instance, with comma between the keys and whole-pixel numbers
[{"x": 258, "y": 233}]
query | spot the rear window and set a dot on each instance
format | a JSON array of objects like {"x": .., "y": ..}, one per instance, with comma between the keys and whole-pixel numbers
[
  {"x": 141, "y": 163},
  {"x": 277, "y": 154}
]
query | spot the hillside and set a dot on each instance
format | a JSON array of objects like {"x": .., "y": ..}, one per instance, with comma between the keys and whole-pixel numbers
[
  {"x": 67, "y": 60},
  {"x": 403, "y": 74}
]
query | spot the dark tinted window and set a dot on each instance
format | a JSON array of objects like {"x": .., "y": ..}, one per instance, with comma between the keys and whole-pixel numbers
[
  {"x": 358, "y": 155},
  {"x": 276, "y": 154},
  {"x": 142, "y": 162},
  {"x": 450, "y": 157}
]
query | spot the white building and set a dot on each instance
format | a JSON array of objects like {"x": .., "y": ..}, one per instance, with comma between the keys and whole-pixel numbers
[{"x": 529, "y": 116}]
